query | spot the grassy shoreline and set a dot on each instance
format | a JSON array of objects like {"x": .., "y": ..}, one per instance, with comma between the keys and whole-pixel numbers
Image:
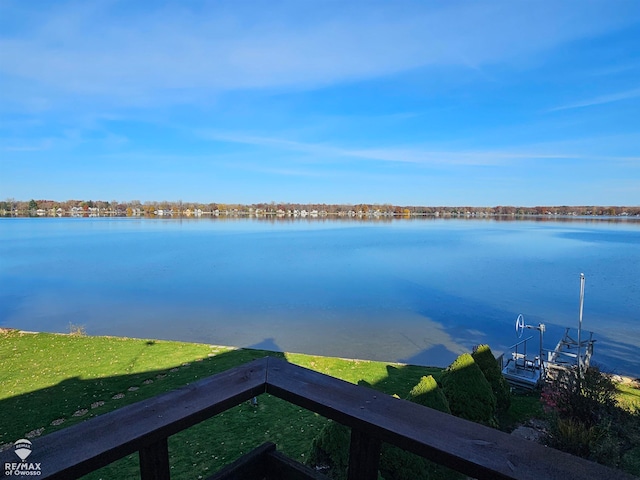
[{"x": 51, "y": 381}]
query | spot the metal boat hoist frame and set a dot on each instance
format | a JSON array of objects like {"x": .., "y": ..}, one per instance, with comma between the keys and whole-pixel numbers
[{"x": 526, "y": 372}]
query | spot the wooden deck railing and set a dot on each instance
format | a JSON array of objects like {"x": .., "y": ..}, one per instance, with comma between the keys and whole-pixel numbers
[{"x": 373, "y": 417}]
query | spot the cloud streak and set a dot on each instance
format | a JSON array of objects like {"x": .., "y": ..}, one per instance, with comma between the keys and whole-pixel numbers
[
  {"x": 179, "y": 50},
  {"x": 408, "y": 155},
  {"x": 409, "y": 98},
  {"x": 600, "y": 100}
]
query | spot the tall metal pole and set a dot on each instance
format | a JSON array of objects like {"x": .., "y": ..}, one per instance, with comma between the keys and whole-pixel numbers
[{"x": 580, "y": 323}]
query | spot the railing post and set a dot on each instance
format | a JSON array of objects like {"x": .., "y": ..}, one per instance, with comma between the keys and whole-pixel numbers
[
  {"x": 154, "y": 461},
  {"x": 364, "y": 456}
]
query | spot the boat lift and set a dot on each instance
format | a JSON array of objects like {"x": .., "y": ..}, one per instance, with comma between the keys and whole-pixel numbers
[
  {"x": 528, "y": 372},
  {"x": 521, "y": 370}
]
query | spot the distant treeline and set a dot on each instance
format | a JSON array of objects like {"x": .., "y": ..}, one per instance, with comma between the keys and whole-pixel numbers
[{"x": 11, "y": 207}]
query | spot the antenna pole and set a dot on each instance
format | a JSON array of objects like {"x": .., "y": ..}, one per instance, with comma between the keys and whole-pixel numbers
[{"x": 580, "y": 323}]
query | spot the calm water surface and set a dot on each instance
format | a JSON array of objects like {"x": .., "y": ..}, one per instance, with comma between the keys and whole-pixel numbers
[{"x": 419, "y": 291}]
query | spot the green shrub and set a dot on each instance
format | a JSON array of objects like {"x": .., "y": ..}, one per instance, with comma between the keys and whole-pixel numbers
[
  {"x": 429, "y": 394},
  {"x": 573, "y": 436},
  {"x": 584, "y": 419},
  {"x": 489, "y": 366},
  {"x": 464, "y": 386},
  {"x": 468, "y": 391},
  {"x": 607, "y": 449},
  {"x": 330, "y": 450},
  {"x": 398, "y": 464},
  {"x": 587, "y": 398},
  {"x": 631, "y": 461}
]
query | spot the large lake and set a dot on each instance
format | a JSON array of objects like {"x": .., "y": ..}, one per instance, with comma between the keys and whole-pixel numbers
[{"x": 419, "y": 291}]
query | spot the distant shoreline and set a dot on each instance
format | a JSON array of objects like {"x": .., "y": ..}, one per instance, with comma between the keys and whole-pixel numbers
[
  {"x": 328, "y": 216},
  {"x": 135, "y": 208}
]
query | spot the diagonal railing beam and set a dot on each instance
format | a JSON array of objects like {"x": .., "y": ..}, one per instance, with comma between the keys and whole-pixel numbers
[
  {"x": 475, "y": 450},
  {"x": 478, "y": 451},
  {"x": 83, "y": 448}
]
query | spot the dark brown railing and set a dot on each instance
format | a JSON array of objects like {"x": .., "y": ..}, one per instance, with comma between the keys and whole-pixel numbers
[{"x": 478, "y": 451}]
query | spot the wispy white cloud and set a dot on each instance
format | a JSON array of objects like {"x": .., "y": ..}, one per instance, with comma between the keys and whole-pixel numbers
[
  {"x": 66, "y": 140},
  {"x": 435, "y": 92},
  {"x": 600, "y": 100},
  {"x": 288, "y": 172},
  {"x": 273, "y": 142},
  {"x": 25, "y": 148},
  {"x": 460, "y": 157},
  {"x": 616, "y": 69},
  {"x": 171, "y": 52},
  {"x": 419, "y": 155}
]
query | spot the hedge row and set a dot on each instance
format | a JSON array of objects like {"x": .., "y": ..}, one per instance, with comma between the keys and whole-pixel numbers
[{"x": 472, "y": 387}]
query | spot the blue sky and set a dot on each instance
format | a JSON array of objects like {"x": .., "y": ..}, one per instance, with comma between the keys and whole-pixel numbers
[{"x": 425, "y": 103}]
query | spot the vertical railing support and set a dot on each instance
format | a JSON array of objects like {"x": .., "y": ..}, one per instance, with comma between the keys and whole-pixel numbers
[
  {"x": 364, "y": 456},
  {"x": 154, "y": 461}
]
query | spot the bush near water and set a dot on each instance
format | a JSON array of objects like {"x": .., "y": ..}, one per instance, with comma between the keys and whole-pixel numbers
[
  {"x": 587, "y": 419},
  {"x": 484, "y": 358},
  {"x": 465, "y": 392},
  {"x": 468, "y": 391},
  {"x": 330, "y": 449},
  {"x": 398, "y": 464},
  {"x": 587, "y": 416},
  {"x": 428, "y": 394}
]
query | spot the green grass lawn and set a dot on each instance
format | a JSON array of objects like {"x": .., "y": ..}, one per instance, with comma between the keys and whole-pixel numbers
[
  {"x": 52, "y": 381},
  {"x": 629, "y": 396}
]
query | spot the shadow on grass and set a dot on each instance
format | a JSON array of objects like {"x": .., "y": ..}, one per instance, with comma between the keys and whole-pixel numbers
[
  {"x": 212, "y": 443},
  {"x": 75, "y": 399},
  {"x": 206, "y": 447},
  {"x": 436, "y": 355}
]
